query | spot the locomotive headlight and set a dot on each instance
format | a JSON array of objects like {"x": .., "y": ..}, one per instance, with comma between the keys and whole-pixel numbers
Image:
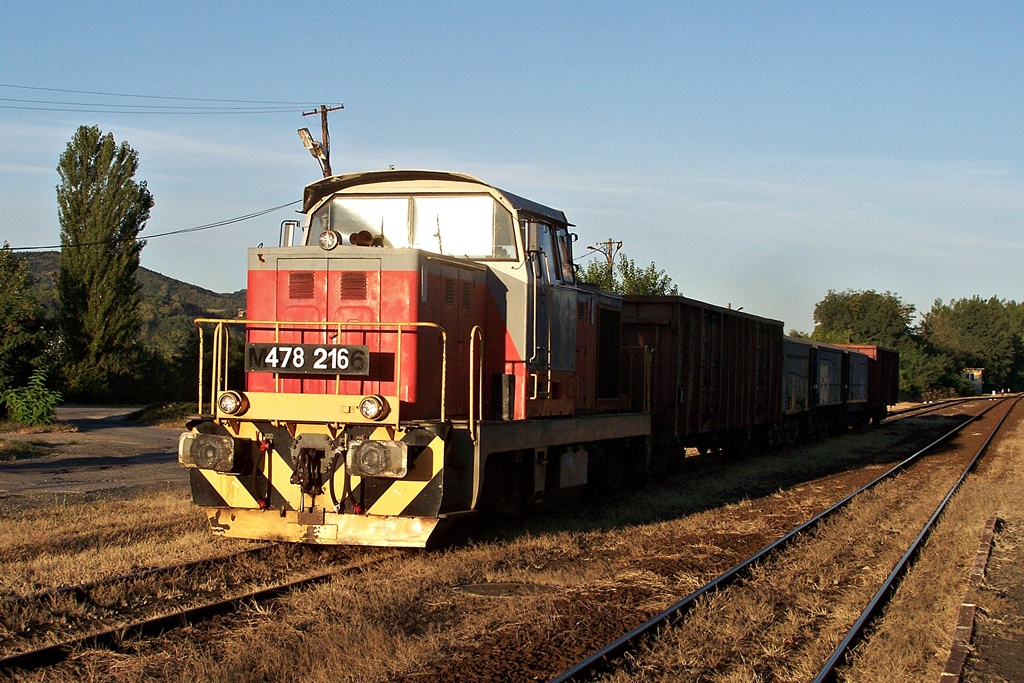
[
  {"x": 232, "y": 403},
  {"x": 373, "y": 408},
  {"x": 329, "y": 239}
]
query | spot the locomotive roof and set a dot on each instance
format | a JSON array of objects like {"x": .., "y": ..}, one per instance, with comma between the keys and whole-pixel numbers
[
  {"x": 523, "y": 205},
  {"x": 316, "y": 191}
]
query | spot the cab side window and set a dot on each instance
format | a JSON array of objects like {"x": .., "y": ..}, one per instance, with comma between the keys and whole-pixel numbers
[
  {"x": 563, "y": 253},
  {"x": 555, "y": 246}
]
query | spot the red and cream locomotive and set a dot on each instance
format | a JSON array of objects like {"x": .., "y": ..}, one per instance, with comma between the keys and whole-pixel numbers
[{"x": 416, "y": 349}]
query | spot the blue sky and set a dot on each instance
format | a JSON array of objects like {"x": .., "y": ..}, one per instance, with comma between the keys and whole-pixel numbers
[{"x": 762, "y": 153}]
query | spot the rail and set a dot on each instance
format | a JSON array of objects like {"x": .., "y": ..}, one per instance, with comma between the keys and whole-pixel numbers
[
  {"x": 221, "y": 342},
  {"x": 918, "y": 410}
]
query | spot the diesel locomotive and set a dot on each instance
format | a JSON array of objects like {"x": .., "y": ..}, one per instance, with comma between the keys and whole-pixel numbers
[{"x": 418, "y": 348}]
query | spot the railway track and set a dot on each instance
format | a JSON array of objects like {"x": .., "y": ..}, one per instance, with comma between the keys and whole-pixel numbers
[
  {"x": 627, "y": 643},
  {"x": 43, "y": 619},
  {"x": 856, "y": 632},
  {"x": 925, "y": 408}
]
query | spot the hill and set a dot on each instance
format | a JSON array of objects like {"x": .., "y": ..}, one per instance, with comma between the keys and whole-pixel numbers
[{"x": 168, "y": 306}]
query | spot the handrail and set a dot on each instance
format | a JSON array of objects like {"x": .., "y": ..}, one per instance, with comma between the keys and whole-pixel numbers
[
  {"x": 219, "y": 362},
  {"x": 199, "y": 407},
  {"x": 547, "y": 350},
  {"x": 533, "y": 308},
  {"x": 545, "y": 278},
  {"x": 477, "y": 331}
]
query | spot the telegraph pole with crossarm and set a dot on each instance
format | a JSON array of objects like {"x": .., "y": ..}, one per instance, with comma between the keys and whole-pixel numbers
[
  {"x": 609, "y": 248},
  {"x": 322, "y": 151}
]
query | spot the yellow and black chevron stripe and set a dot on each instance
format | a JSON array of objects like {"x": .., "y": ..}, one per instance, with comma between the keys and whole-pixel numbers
[{"x": 364, "y": 510}]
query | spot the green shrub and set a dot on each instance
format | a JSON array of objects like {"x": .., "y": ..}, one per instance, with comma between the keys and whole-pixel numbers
[{"x": 33, "y": 404}]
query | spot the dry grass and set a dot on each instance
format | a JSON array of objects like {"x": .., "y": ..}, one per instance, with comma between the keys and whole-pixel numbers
[
  {"x": 361, "y": 627},
  {"x": 12, "y": 427},
  {"x": 21, "y": 448},
  {"x": 17, "y": 449},
  {"x": 785, "y": 620},
  {"x": 405, "y": 614},
  {"x": 59, "y": 543}
]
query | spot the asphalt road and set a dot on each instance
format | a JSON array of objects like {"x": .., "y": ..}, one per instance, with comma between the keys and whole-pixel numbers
[{"x": 106, "y": 457}]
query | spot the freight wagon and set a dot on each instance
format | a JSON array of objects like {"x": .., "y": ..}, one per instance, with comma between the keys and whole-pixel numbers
[
  {"x": 883, "y": 378},
  {"x": 716, "y": 373},
  {"x": 826, "y": 388}
]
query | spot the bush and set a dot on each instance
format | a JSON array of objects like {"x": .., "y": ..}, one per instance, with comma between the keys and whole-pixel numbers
[
  {"x": 34, "y": 404},
  {"x": 163, "y": 413}
]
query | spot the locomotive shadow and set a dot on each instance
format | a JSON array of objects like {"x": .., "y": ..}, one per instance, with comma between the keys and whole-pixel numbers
[
  {"x": 705, "y": 482},
  {"x": 85, "y": 419}
]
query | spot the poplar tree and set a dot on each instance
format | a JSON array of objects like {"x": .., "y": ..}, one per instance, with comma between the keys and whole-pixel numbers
[{"x": 102, "y": 210}]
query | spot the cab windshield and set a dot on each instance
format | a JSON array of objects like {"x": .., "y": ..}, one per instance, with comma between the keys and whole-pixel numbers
[{"x": 469, "y": 226}]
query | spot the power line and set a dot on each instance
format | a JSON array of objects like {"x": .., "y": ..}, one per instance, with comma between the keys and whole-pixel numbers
[
  {"x": 208, "y": 226},
  {"x": 225, "y": 106},
  {"x": 151, "y": 97},
  {"x": 120, "y": 109}
]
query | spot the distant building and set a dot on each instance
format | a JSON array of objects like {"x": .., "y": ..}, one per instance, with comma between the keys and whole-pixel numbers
[{"x": 974, "y": 375}]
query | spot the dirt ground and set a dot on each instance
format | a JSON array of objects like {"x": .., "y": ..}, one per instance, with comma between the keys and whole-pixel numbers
[{"x": 105, "y": 457}]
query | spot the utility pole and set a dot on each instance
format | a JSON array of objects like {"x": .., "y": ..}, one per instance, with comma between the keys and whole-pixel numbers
[
  {"x": 325, "y": 136},
  {"x": 609, "y": 248}
]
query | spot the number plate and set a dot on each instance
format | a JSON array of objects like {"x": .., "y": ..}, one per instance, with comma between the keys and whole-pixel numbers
[{"x": 308, "y": 359}]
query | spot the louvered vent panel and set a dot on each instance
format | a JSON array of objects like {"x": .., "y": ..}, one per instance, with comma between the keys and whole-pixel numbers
[
  {"x": 449, "y": 291},
  {"x": 581, "y": 311},
  {"x": 300, "y": 285},
  {"x": 353, "y": 285},
  {"x": 465, "y": 295}
]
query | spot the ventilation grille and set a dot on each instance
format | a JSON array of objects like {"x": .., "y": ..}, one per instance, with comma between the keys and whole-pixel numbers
[
  {"x": 465, "y": 295},
  {"x": 353, "y": 285},
  {"x": 449, "y": 291},
  {"x": 581, "y": 311},
  {"x": 300, "y": 285}
]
